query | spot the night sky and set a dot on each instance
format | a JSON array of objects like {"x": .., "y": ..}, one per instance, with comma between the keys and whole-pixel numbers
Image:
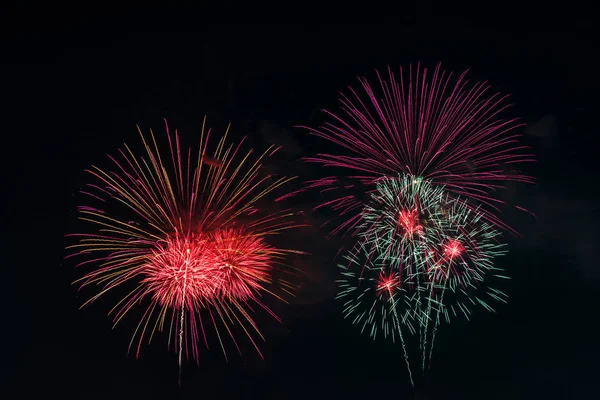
[{"x": 74, "y": 89}]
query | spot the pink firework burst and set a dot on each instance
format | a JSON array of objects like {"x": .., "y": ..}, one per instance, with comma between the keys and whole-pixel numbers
[
  {"x": 186, "y": 236},
  {"x": 429, "y": 125}
]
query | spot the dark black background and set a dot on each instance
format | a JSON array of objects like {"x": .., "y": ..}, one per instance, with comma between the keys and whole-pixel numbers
[{"x": 77, "y": 79}]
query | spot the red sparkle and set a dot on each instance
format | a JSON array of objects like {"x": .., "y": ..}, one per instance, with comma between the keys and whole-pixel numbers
[
  {"x": 453, "y": 248},
  {"x": 409, "y": 223},
  {"x": 387, "y": 283}
]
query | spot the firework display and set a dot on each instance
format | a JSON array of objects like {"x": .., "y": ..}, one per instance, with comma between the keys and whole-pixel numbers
[
  {"x": 185, "y": 236},
  {"x": 419, "y": 196},
  {"x": 186, "y": 239}
]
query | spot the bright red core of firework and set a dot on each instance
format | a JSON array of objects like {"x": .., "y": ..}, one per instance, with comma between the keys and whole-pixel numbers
[
  {"x": 408, "y": 220},
  {"x": 387, "y": 283},
  {"x": 244, "y": 263},
  {"x": 223, "y": 264},
  {"x": 453, "y": 248},
  {"x": 182, "y": 271}
]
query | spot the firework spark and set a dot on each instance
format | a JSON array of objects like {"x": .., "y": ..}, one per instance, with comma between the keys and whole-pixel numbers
[{"x": 184, "y": 235}]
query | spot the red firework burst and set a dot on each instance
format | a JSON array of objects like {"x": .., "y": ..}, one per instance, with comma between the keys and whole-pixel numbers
[
  {"x": 387, "y": 283},
  {"x": 429, "y": 126},
  {"x": 409, "y": 224},
  {"x": 453, "y": 248},
  {"x": 244, "y": 262},
  {"x": 191, "y": 241},
  {"x": 182, "y": 273}
]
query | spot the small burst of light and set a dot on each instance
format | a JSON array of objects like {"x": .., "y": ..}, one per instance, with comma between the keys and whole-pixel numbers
[
  {"x": 409, "y": 222},
  {"x": 453, "y": 248},
  {"x": 387, "y": 283}
]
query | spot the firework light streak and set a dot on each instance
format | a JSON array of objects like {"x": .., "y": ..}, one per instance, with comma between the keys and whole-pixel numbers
[
  {"x": 427, "y": 124},
  {"x": 187, "y": 235}
]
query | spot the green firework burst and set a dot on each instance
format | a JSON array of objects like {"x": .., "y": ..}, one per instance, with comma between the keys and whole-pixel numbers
[{"x": 422, "y": 256}]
